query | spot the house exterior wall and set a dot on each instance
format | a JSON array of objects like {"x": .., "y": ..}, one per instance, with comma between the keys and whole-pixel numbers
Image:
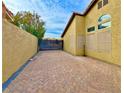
[
  {"x": 3, "y": 10},
  {"x": 70, "y": 39},
  {"x": 80, "y": 35},
  {"x": 95, "y": 41},
  {"x": 6, "y": 14},
  {"x": 101, "y": 44},
  {"x": 18, "y": 47},
  {"x": 75, "y": 37}
]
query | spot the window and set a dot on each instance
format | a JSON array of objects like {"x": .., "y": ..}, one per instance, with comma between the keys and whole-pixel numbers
[
  {"x": 104, "y": 21},
  {"x": 104, "y": 25},
  {"x": 100, "y": 5},
  {"x": 90, "y": 29},
  {"x": 104, "y": 18},
  {"x": 105, "y": 2}
]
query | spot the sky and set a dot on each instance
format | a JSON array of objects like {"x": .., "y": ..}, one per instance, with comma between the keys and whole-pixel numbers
[{"x": 55, "y": 13}]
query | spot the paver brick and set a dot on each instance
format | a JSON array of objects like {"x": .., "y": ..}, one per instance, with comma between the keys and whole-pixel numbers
[{"x": 60, "y": 72}]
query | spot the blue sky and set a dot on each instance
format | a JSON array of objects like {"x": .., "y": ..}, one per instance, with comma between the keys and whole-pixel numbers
[{"x": 55, "y": 13}]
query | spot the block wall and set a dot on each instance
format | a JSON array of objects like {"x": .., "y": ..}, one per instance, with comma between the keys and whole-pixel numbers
[{"x": 18, "y": 47}]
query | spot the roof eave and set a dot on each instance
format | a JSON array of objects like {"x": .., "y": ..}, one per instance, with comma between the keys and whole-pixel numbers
[
  {"x": 69, "y": 22},
  {"x": 90, "y": 6},
  {"x": 74, "y": 13}
]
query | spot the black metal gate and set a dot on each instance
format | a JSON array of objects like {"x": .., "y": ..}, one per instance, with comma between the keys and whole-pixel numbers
[{"x": 51, "y": 44}]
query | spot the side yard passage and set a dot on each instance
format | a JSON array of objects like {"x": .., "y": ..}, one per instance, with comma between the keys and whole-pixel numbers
[{"x": 60, "y": 72}]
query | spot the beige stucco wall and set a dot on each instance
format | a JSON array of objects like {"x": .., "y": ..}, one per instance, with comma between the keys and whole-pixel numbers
[
  {"x": 80, "y": 35},
  {"x": 101, "y": 44},
  {"x": 74, "y": 39},
  {"x": 70, "y": 39},
  {"x": 111, "y": 35},
  {"x": 18, "y": 47}
]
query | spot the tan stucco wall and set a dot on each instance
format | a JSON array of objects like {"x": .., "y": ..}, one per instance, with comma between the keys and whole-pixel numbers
[
  {"x": 104, "y": 44},
  {"x": 18, "y": 47},
  {"x": 80, "y": 35},
  {"x": 74, "y": 39},
  {"x": 70, "y": 39},
  {"x": 112, "y": 34}
]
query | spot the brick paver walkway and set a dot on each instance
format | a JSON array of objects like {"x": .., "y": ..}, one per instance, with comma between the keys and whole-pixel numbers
[{"x": 60, "y": 72}]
